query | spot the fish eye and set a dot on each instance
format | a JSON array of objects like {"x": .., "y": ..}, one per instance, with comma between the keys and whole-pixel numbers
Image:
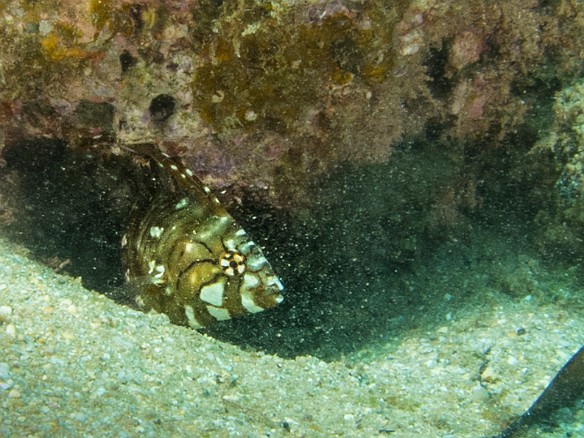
[{"x": 232, "y": 263}]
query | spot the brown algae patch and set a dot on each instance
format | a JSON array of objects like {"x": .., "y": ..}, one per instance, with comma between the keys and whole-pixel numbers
[{"x": 258, "y": 71}]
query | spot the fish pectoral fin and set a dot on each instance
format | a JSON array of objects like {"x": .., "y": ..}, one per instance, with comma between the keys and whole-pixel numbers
[{"x": 128, "y": 292}]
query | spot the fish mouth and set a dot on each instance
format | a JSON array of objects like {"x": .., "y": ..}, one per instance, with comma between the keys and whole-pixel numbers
[
  {"x": 271, "y": 297},
  {"x": 275, "y": 284},
  {"x": 275, "y": 291}
]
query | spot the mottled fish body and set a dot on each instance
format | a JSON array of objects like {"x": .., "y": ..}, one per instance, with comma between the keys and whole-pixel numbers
[{"x": 192, "y": 260}]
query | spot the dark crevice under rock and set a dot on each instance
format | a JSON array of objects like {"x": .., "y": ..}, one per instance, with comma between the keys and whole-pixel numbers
[{"x": 347, "y": 265}]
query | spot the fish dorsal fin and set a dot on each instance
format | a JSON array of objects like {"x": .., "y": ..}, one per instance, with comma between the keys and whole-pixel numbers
[{"x": 183, "y": 179}]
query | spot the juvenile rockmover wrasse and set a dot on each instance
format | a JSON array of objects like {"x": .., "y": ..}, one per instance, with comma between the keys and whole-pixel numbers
[{"x": 187, "y": 256}]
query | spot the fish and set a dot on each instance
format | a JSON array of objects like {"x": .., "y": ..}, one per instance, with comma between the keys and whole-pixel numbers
[
  {"x": 186, "y": 255},
  {"x": 564, "y": 389}
]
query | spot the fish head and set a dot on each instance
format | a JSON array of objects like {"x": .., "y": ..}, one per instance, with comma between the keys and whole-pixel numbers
[
  {"x": 225, "y": 274},
  {"x": 243, "y": 262}
]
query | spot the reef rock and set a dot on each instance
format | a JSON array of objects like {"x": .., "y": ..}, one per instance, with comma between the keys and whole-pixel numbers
[{"x": 266, "y": 97}]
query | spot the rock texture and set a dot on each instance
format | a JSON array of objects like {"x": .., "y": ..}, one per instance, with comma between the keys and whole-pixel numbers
[{"x": 266, "y": 97}]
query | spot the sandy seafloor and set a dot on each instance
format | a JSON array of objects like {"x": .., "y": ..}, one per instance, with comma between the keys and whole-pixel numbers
[{"x": 73, "y": 363}]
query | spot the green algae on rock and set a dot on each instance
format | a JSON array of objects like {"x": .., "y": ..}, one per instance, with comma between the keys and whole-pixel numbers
[{"x": 562, "y": 223}]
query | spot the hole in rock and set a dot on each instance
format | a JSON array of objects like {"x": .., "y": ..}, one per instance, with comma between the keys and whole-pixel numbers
[{"x": 162, "y": 107}]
